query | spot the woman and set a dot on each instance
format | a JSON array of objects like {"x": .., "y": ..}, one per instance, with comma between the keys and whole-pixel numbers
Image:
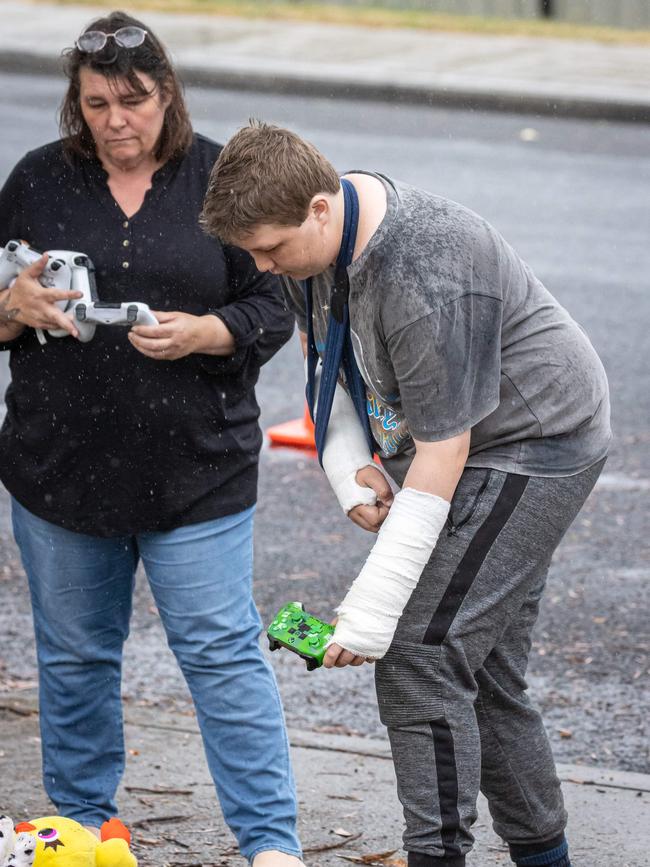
[{"x": 141, "y": 444}]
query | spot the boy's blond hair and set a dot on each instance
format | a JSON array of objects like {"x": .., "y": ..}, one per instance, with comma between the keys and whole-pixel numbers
[{"x": 264, "y": 175}]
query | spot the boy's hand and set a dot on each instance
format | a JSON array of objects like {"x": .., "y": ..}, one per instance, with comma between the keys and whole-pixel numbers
[
  {"x": 372, "y": 517},
  {"x": 336, "y": 656}
]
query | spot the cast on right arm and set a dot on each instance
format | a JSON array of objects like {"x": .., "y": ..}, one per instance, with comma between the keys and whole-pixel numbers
[{"x": 369, "y": 614}]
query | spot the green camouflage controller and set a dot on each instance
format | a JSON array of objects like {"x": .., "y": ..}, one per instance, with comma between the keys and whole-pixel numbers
[{"x": 300, "y": 632}]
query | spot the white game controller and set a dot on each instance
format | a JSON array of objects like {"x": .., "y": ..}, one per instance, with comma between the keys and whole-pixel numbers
[
  {"x": 17, "y": 256},
  {"x": 107, "y": 313}
]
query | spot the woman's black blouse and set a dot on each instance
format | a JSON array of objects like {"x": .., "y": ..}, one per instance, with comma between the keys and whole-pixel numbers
[{"x": 98, "y": 438}]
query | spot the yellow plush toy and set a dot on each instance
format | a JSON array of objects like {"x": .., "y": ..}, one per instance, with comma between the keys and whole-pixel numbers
[{"x": 65, "y": 843}]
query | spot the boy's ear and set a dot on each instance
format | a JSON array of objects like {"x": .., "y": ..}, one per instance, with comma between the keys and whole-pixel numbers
[{"x": 320, "y": 207}]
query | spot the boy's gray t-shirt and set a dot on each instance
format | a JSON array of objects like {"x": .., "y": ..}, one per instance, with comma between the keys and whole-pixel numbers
[{"x": 451, "y": 330}]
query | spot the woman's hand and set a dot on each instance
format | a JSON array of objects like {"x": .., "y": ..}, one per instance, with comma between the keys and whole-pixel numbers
[
  {"x": 372, "y": 517},
  {"x": 29, "y": 303},
  {"x": 180, "y": 334}
]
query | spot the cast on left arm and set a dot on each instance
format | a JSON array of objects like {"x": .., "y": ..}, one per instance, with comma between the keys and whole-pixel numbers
[{"x": 368, "y": 616}]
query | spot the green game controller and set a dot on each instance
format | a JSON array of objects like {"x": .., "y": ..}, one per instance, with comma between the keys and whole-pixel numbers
[{"x": 301, "y": 633}]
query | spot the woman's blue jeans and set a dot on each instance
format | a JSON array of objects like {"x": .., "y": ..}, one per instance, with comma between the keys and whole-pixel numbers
[{"x": 201, "y": 580}]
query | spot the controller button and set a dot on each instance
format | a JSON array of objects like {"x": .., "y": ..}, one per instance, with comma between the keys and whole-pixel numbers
[
  {"x": 314, "y": 642},
  {"x": 317, "y": 627}
]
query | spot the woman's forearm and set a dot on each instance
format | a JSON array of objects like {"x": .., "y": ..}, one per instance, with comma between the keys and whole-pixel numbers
[{"x": 10, "y": 328}]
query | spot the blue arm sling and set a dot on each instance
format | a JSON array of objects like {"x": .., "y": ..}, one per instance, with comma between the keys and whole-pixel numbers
[{"x": 338, "y": 345}]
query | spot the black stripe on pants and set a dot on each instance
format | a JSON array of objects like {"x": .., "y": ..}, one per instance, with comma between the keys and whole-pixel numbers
[
  {"x": 443, "y": 744},
  {"x": 512, "y": 491}
]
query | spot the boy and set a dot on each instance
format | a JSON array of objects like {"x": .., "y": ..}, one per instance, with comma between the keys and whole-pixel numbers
[{"x": 490, "y": 407}]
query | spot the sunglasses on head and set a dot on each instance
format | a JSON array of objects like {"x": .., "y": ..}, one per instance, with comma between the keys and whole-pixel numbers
[{"x": 126, "y": 37}]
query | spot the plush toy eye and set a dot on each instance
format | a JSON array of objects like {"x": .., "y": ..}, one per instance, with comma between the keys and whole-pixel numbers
[{"x": 50, "y": 838}]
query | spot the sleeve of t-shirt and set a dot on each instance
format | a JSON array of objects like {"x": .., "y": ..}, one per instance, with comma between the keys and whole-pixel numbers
[{"x": 448, "y": 367}]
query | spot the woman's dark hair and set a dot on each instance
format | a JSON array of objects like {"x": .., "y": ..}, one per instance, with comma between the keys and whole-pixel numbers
[{"x": 117, "y": 63}]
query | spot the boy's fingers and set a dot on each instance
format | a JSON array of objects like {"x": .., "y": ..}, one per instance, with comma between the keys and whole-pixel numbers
[
  {"x": 347, "y": 658},
  {"x": 337, "y": 656},
  {"x": 331, "y": 655},
  {"x": 369, "y": 517},
  {"x": 372, "y": 477}
]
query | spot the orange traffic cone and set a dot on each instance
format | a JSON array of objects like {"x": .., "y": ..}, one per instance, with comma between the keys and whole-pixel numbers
[{"x": 298, "y": 433}]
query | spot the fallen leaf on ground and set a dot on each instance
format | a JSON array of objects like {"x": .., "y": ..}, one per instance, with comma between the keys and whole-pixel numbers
[
  {"x": 327, "y": 846},
  {"x": 373, "y": 858},
  {"x": 337, "y": 797},
  {"x": 336, "y": 729}
]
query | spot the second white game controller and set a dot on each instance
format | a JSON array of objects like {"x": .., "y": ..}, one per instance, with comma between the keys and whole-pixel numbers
[{"x": 107, "y": 313}]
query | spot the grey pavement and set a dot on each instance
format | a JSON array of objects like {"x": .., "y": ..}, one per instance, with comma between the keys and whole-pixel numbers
[
  {"x": 348, "y": 806},
  {"x": 514, "y": 73}
]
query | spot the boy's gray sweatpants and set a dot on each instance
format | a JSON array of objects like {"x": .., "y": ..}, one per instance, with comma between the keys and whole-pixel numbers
[{"x": 451, "y": 688}]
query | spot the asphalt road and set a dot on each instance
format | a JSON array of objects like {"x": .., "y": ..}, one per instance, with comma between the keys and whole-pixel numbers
[{"x": 571, "y": 196}]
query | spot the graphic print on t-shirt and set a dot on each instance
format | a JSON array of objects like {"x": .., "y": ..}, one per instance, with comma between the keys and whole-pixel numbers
[{"x": 389, "y": 428}]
